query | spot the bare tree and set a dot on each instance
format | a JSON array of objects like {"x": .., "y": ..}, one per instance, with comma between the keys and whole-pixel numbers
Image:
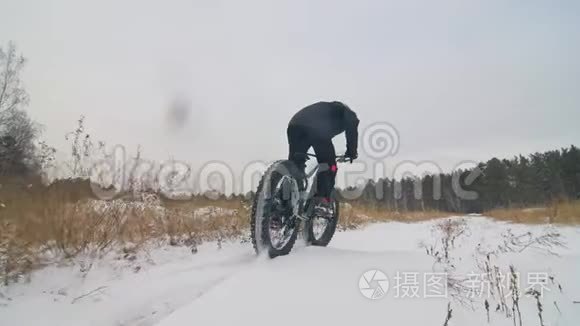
[
  {"x": 12, "y": 94},
  {"x": 17, "y": 149},
  {"x": 18, "y": 132}
]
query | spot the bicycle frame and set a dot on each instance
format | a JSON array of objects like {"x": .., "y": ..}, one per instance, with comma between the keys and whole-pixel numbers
[{"x": 308, "y": 192}]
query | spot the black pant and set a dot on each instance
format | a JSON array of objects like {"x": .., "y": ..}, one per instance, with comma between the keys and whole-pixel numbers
[{"x": 300, "y": 139}]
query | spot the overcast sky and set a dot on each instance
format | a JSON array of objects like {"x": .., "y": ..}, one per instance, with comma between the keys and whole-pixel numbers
[{"x": 459, "y": 80}]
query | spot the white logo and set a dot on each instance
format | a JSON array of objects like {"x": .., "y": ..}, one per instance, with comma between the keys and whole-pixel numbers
[
  {"x": 373, "y": 284},
  {"x": 380, "y": 140}
]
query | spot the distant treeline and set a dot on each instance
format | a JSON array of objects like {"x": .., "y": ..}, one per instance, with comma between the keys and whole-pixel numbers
[{"x": 523, "y": 181}]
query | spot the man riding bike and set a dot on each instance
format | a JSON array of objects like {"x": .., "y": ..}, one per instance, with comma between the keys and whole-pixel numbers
[
  {"x": 283, "y": 200},
  {"x": 315, "y": 126}
]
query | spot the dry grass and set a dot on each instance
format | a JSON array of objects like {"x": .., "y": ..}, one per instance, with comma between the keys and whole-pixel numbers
[
  {"x": 355, "y": 215},
  {"x": 562, "y": 212},
  {"x": 38, "y": 222}
]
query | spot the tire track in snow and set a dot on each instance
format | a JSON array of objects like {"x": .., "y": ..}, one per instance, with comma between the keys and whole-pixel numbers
[{"x": 161, "y": 305}]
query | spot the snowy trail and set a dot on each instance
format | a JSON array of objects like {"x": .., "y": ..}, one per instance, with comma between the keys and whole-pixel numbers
[
  {"x": 59, "y": 295},
  {"x": 320, "y": 285},
  {"x": 171, "y": 287}
]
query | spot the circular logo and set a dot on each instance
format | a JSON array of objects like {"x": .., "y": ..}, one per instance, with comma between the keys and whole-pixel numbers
[
  {"x": 373, "y": 284},
  {"x": 380, "y": 140}
]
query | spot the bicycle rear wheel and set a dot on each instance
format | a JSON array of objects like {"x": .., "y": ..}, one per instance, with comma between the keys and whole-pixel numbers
[{"x": 274, "y": 227}]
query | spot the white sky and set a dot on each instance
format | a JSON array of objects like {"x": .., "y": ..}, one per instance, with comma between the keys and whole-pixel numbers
[{"x": 460, "y": 80}]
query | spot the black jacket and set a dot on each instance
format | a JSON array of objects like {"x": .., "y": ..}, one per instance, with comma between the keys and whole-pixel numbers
[{"x": 325, "y": 120}]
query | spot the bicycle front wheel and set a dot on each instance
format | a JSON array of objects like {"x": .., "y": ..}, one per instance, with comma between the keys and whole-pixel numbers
[{"x": 320, "y": 228}]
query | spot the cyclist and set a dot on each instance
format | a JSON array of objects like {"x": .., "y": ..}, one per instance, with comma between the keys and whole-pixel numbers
[{"x": 315, "y": 126}]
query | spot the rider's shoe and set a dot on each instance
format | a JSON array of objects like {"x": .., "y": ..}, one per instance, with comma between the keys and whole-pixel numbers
[{"x": 323, "y": 207}]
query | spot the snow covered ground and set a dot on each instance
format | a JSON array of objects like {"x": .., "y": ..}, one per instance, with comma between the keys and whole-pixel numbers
[{"x": 171, "y": 286}]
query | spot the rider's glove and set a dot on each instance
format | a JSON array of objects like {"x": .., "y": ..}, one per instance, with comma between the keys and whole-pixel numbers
[{"x": 351, "y": 155}]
